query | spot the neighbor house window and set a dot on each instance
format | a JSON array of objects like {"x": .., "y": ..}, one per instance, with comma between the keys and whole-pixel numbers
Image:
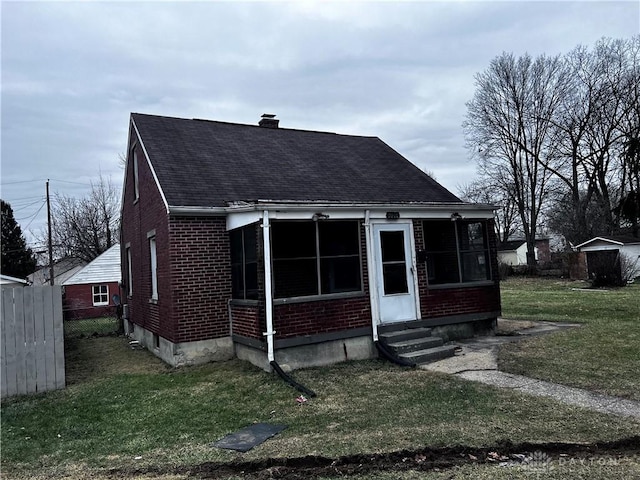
[
  {"x": 136, "y": 190},
  {"x": 100, "y": 295},
  {"x": 129, "y": 275},
  {"x": 457, "y": 252},
  {"x": 315, "y": 258},
  {"x": 244, "y": 263},
  {"x": 154, "y": 267}
]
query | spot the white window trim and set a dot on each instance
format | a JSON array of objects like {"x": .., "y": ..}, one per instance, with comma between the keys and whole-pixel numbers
[
  {"x": 99, "y": 294},
  {"x": 136, "y": 189},
  {"x": 129, "y": 271},
  {"x": 154, "y": 266}
]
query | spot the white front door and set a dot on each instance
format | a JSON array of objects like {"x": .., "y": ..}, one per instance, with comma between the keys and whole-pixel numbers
[{"x": 395, "y": 284}]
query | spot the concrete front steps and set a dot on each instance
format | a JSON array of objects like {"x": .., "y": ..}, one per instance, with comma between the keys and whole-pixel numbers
[{"x": 414, "y": 345}]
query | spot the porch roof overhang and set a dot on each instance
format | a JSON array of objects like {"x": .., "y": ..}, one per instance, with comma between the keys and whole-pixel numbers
[{"x": 239, "y": 214}]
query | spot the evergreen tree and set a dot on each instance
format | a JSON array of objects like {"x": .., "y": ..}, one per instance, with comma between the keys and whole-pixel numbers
[{"x": 17, "y": 259}]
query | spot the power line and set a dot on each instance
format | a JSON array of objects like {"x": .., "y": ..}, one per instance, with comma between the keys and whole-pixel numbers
[
  {"x": 34, "y": 216},
  {"x": 39, "y": 180},
  {"x": 22, "y": 207},
  {"x": 75, "y": 183},
  {"x": 21, "y": 181},
  {"x": 21, "y": 199}
]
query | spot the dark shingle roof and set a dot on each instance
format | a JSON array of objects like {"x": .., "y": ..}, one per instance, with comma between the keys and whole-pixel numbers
[
  {"x": 510, "y": 245},
  {"x": 209, "y": 164}
]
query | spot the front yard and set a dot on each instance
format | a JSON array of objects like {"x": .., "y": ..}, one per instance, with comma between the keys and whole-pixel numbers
[
  {"x": 125, "y": 414},
  {"x": 603, "y": 355}
]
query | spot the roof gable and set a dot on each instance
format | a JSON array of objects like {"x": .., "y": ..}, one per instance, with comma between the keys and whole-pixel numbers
[
  {"x": 511, "y": 245},
  {"x": 105, "y": 268},
  {"x": 611, "y": 240},
  {"x": 204, "y": 163}
]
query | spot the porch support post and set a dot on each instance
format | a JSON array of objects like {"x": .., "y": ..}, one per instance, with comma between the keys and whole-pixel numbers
[
  {"x": 266, "y": 242},
  {"x": 373, "y": 289}
]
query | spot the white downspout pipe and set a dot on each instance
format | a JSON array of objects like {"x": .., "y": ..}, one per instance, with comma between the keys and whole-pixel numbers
[
  {"x": 268, "y": 288},
  {"x": 373, "y": 290}
]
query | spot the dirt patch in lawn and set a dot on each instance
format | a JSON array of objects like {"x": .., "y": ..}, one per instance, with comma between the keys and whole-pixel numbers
[
  {"x": 95, "y": 358},
  {"x": 512, "y": 327},
  {"x": 417, "y": 460}
]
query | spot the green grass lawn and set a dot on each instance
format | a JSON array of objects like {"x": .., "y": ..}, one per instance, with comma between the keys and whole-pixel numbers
[
  {"x": 88, "y": 327},
  {"x": 603, "y": 355},
  {"x": 125, "y": 409}
]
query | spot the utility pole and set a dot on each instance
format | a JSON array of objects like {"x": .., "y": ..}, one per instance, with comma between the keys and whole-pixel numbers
[{"x": 49, "y": 244}]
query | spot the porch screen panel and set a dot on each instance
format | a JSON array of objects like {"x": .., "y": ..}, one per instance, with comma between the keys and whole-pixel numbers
[
  {"x": 339, "y": 256},
  {"x": 244, "y": 263},
  {"x": 295, "y": 271},
  {"x": 315, "y": 258},
  {"x": 442, "y": 254},
  {"x": 457, "y": 252},
  {"x": 474, "y": 254}
]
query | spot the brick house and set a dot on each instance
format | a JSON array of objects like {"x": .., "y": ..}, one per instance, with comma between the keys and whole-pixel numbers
[
  {"x": 89, "y": 292},
  {"x": 302, "y": 247}
]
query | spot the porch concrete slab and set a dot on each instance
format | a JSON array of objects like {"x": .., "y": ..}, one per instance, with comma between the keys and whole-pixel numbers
[{"x": 465, "y": 360}]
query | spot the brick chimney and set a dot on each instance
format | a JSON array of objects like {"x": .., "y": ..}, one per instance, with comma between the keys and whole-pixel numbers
[{"x": 268, "y": 120}]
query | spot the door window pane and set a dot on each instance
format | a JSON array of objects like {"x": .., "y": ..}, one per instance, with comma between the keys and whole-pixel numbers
[
  {"x": 392, "y": 244},
  {"x": 394, "y": 270},
  {"x": 395, "y": 278}
]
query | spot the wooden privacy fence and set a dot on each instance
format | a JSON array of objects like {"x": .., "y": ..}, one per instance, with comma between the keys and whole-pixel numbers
[{"x": 32, "y": 354}]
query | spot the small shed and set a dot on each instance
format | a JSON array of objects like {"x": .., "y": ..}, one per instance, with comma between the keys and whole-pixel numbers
[
  {"x": 90, "y": 292},
  {"x": 607, "y": 251}
]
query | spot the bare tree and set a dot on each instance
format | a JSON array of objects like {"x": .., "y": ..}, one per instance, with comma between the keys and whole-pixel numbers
[
  {"x": 599, "y": 110},
  {"x": 628, "y": 208},
  {"x": 561, "y": 136},
  {"x": 86, "y": 227},
  {"x": 484, "y": 190},
  {"x": 509, "y": 131}
]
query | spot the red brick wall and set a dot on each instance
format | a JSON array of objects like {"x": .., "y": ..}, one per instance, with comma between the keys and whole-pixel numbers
[
  {"x": 247, "y": 321},
  {"x": 459, "y": 301},
  {"x": 201, "y": 275},
  {"x": 78, "y": 301},
  {"x": 138, "y": 218},
  {"x": 443, "y": 302},
  {"x": 322, "y": 316}
]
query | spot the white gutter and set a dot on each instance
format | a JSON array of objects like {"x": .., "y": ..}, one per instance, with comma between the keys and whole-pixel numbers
[
  {"x": 306, "y": 206},
  {"x": 267, "y": 285},
  {"x": 373, "y": 297},
  {"x": 186, "y": 211}
]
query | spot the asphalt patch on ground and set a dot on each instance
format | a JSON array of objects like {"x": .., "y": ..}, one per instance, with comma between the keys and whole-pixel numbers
[
  {"x": 247, "y": 438},
  {"x": 424, "y": 459}
]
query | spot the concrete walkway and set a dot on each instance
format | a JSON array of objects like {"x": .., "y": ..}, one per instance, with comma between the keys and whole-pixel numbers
[{"x": 477, "y": 361}]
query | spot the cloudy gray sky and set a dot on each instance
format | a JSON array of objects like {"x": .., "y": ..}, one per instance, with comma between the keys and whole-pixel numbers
[{"x": 402, "y": 71}]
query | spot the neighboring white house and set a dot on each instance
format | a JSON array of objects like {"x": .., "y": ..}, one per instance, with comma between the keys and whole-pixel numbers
[
  {"x": 626, "y": 245},
  {"x": 514, "y": 252},
  {"x": 62, "y": 271}
]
